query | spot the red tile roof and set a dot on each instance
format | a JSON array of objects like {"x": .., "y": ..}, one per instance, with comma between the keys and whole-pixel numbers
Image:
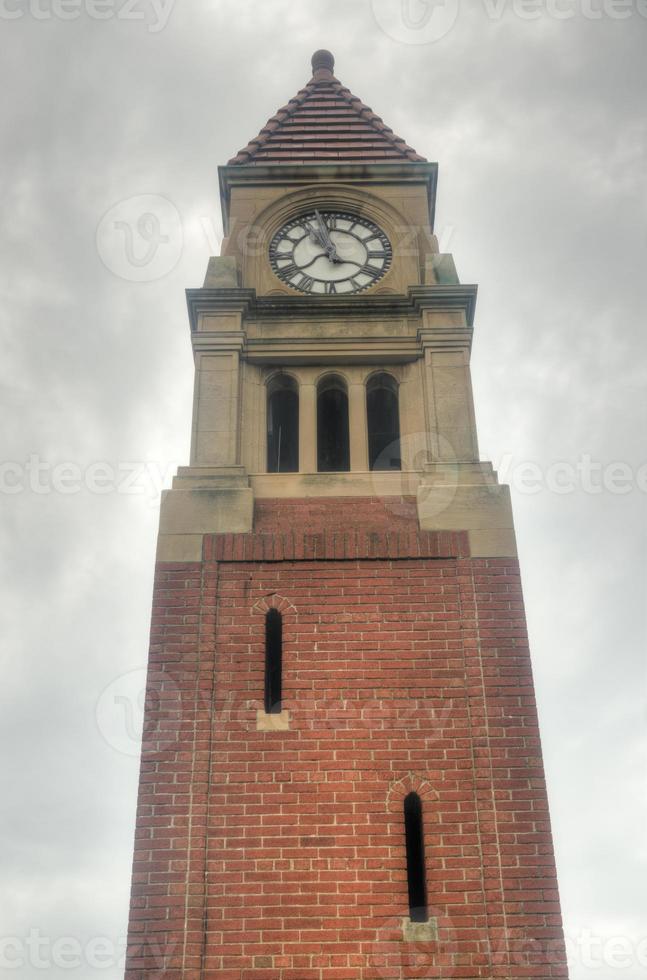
[{"x": 324, "y": 123}]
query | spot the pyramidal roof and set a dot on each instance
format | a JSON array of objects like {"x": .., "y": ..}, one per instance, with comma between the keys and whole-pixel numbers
[{"x": 325, "y": 123}]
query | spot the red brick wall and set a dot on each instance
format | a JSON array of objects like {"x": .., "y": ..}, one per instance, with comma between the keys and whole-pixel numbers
[{"x": 280, "y": 855}]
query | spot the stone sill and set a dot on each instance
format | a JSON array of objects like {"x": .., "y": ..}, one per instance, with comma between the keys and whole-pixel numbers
[
  {"x": 420, "y": 932},
  {"x": 272, "y": 723}
]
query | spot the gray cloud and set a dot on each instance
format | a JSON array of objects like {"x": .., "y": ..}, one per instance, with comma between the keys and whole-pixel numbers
[{"x": 540, "y": 133}]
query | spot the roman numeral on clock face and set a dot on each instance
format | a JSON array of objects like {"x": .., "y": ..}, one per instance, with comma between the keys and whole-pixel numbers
[
  {"x": 305, "y": 283},
  {"x": 290, "y": 270},
  {"x": 377, "y": 254},
  {"x": 370, "y": 270}
]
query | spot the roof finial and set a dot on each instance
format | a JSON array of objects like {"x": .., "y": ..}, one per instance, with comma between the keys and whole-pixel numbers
[{"x": 323, "y": 61}]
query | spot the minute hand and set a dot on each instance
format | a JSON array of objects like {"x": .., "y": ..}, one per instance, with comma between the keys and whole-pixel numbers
[{"x": 328, "y": 242}]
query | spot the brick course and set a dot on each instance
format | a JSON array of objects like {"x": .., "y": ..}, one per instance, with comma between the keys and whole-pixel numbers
[
  {"x": 325, "y": 122},
  {"x": 281, "y": 854}
]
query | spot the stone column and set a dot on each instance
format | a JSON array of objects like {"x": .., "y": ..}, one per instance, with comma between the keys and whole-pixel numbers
[
  {"x": 450, "y": 408},
  {"x": 215, "y": 433},
  {"x": 358, "y": 428},
  {"x": 307, "y": 428}
]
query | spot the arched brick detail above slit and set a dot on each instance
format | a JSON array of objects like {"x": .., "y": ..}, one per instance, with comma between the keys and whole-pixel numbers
[
  {"x": 411, "y": 783},
  {"x": 276, "y": 601}
]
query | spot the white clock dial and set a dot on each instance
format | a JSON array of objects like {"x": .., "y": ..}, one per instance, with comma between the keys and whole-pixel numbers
[{"x": 329, "y": 253}]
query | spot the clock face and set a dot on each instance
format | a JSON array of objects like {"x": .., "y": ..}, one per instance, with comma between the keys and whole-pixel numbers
[{"x": 330, "y": 253}]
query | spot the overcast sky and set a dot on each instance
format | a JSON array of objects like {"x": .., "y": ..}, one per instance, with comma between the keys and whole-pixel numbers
[{"x": 538, "y": 126}]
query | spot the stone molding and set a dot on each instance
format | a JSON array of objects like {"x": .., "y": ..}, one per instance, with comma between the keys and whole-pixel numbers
[{"x": 448, "y": 299}]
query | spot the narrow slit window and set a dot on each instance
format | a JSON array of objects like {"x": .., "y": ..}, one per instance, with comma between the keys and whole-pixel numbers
[
  {"x": 383, "y": 417},
  {"x": 333, "y": 433},
  {"x": 283, "y": 426},
  {"x": 416, "y": 875},
  {"x": 273, "y": 662}
]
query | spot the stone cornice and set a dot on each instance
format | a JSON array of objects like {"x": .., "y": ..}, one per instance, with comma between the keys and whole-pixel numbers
[
  {"x": 332, "y": 350},
  {"x": 436, "y": 299}
]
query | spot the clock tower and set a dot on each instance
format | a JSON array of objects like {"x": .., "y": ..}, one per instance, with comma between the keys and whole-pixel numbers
[{"x": 341, "y": 775}]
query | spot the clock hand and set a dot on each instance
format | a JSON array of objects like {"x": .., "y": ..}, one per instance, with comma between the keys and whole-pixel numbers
[
  {"x": 321, "y": 236},
  {"x": 328, "y": 244},
  {"x": 325, "y": 232},
  {"x": 316, "y": 237},
  {"x": 323, "y": 227}
]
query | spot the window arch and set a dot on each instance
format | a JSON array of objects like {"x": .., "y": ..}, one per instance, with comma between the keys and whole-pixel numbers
[
  {"x": 333, "y": 434},
  {"x": 283, "y": 425},
  {"x": 273, "y": 662},
  {"x": 383, "y": 418},
  {"x": 416, "y": 873}
]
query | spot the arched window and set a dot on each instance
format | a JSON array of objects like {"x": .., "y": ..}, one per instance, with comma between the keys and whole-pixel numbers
[
  {"x": 416, "y": 874},
  {"x": 283, "y": 425},
  {"x": 333, "y": 438},
  {"x": 383, "y": 415},
  {"x": 273, "y": 662}
]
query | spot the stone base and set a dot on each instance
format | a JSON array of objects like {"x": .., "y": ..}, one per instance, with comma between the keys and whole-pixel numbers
[
  {"x": 468, "y": 496},
  {"x": 459, "y": 496},
  {"x": 187, "y": 515}
]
